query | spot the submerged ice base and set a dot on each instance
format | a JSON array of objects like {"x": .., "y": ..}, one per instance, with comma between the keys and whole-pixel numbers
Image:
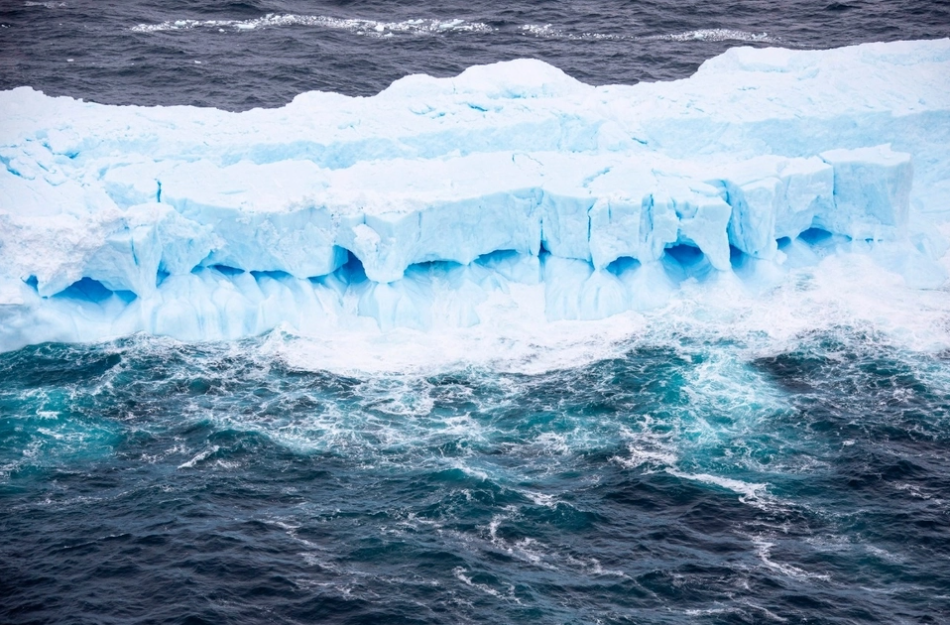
[{"x": 509, "y": 187}]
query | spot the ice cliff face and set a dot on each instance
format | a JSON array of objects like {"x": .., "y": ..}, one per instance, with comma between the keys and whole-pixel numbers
[{"x": 416, "y": 206}]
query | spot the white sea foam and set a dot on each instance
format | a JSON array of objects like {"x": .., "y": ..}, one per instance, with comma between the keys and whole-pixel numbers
[
  {"x": 374, "y": 28},
  {"x": 716, "y": 34},
  {"x": 494, "y": 345},
  {"x": 749, "y": 491},
  {"x": 593, "y": 567},
  {"x": 846, "y": 292},
  {"x": 639, "y": 457},
  {"x": 763, "y": 549},
  {"x": 548, "y": 31},
  {"x": 201, "y": 455},
  {"x": 526, "y": 549},
  {"x": 508, "y": 595},
  {"x": 381, "y": 28}
]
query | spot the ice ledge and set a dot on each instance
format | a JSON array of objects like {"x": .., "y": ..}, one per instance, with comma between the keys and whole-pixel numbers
[{"x": 160, "y": 219}]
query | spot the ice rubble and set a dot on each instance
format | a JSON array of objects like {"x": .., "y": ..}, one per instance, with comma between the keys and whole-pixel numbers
[{"x": 414, "y": 207}]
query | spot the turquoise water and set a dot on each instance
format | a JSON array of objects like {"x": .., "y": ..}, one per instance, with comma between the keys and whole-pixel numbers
[{"x": 151, "y": 481}]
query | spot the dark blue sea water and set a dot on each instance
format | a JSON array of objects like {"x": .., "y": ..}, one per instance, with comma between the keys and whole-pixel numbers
[
  {"x": 149, "y": 481},
  {"x": 241, "y": 54},
  {"x": 691, "y": 479}
]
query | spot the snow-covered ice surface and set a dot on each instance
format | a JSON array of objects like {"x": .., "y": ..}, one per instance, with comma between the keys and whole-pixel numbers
[{"x": 774, "y": 190}]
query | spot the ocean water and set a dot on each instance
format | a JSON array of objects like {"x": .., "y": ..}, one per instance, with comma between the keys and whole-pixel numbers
[
  {"x": 237, "y": 55},
  {"x": 151, "y": 481},
  {"x": 777, "y": 458}
]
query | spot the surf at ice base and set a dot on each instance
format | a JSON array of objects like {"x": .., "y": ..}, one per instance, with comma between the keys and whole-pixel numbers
[{"x": 511, "y": 190}]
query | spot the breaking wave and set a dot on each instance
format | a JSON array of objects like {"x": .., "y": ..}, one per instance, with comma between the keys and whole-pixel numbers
[
  {"x": 716, "y": 34},
  {"x": 430, "y": 26},
  {"x": 549, "y": 31},
  {"x": 355, "y": 25}
]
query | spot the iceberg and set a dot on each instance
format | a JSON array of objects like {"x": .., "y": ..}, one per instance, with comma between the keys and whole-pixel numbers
[{"x": 421, "y": 205}]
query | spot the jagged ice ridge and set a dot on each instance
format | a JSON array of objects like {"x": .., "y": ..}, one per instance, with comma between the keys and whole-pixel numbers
[{"x": 415, "y": 206}]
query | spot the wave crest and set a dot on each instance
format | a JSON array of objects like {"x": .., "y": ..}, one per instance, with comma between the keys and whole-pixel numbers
[
  {"x": 431, "y": 26},
  {"x": 716, "y": 34},
  {"x": 355, "y": 25}
]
